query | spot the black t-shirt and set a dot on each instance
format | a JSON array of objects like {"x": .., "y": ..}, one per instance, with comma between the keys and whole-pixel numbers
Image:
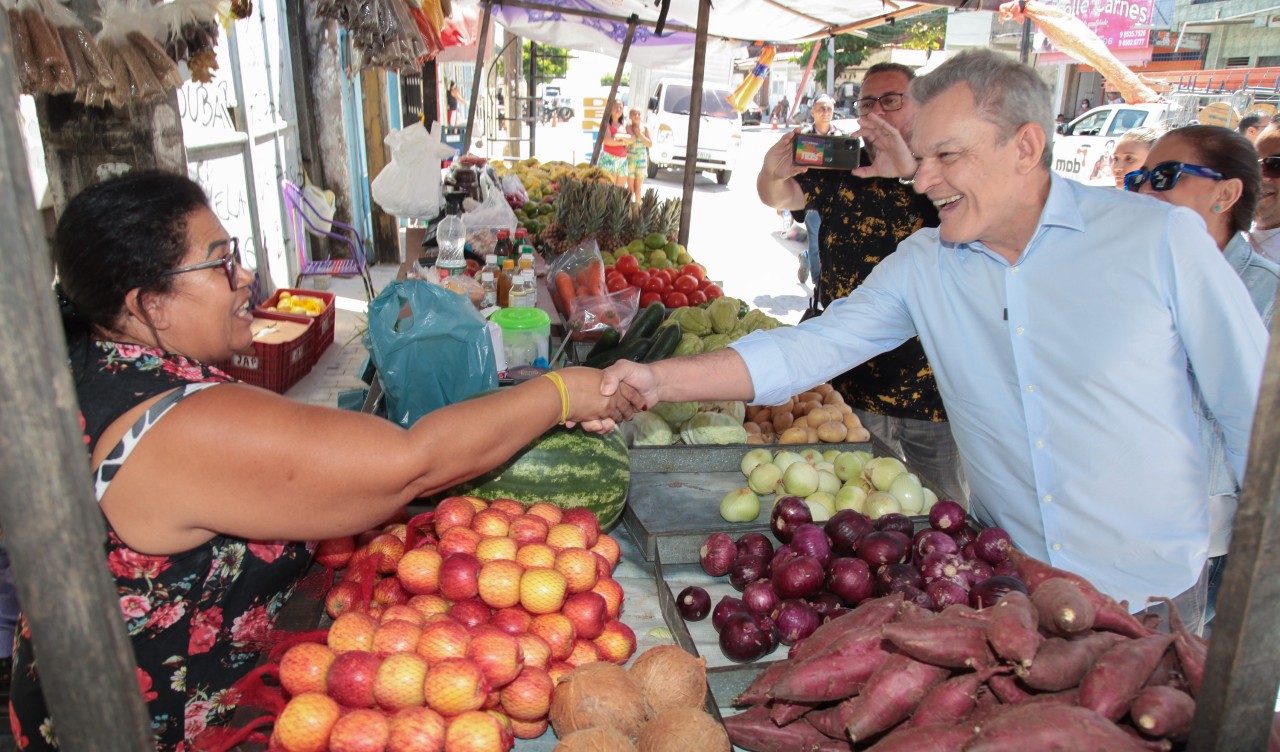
[{"x": 863, "y": 220}]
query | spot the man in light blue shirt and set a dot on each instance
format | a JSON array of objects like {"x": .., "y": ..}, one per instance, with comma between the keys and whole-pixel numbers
[{"x": 1059, "y": 319}]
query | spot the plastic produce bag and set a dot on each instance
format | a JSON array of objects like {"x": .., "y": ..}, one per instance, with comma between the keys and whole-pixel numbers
[
  {"x": 576, "y": 283},
  {"x": 484, "y": 221},
  {"x": 409, "y": 186},
  {"x": 431, "y": 348}
]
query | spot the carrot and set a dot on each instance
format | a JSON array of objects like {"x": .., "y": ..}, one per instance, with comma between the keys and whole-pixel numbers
[
  {"x": 1163, "y": 711},
  {"x": 564, "y": 287},
  {"x": 1011, "y": 629},
  {"x": 1108, "y": 614},
  {"x": 757, "y": 692},
  {"x": 1062, "y": 607},
  {"x": 1115, "y": 679},
  {"x": 954, "y": 643},
  {"x": 951, "y": 701},
  {"x": 938, "y": 737},
  {"x": 1065, "y": 728},
  {"x": 872, "y": 613},
  {"x": 1191, "y": 650},
  {"x": 1061, "y": 663},
  {"x": 891, "y": 694},
  {"x": 835, "y": 672},
  {"x": 754, "y": 731}
]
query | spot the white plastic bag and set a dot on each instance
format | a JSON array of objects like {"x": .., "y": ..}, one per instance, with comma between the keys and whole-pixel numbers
[
  {"x": 487, "y": 218},
  {"x": 409, "y": 186}
]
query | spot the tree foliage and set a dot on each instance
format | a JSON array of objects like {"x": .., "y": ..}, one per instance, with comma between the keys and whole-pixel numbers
[
  {"x": 607, "y": 79},
  {"x": 553, "y": 63},
  {"x": 850, "y": 50},
  {"x": 927, "y": 32}
]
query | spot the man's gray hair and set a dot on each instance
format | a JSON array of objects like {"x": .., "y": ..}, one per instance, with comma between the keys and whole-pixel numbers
[{"x": 1006, "y": 92}]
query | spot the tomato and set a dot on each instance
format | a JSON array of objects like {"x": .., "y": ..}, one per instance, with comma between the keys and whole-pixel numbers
[
  {"x": 685, "y": 283},
  {"x": 694, "y": 270},
  {"x": 627, "y": 264},
  {"x": 675, "y": 300},
  {"x": 713, "y": 291},
  {"x": 697, "y": 297},
  {"x": 670, "y": 273},
  {"x": 637, "y": 279},
  {"x": 650, "y": 297},
  {"x": 656, "y": 283},
  {"x": 704, "y": 283},
  {"x": 616, "y": 282}
]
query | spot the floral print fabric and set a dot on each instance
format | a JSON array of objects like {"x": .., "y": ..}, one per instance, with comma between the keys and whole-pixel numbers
[{"x": 197, "y": 620}]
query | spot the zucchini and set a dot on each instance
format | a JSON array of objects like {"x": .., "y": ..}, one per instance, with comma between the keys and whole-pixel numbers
[
  {"x": 664, "y": 343},
  {"x": 608, "y": 340},
  {"x": 646, "y": 322},
  {"x": 633, "y": 350}
]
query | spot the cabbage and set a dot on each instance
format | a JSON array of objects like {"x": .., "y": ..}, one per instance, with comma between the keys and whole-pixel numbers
[
  {"x": 651, "y": 430},
  {"x": 713, "y": 428},
  {"x": 675, "y": 413},
  {"x": 733, "y": 408}
]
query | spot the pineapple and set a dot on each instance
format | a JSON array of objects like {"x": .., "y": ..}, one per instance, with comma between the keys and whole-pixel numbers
[{"x": 616, "y": 219}]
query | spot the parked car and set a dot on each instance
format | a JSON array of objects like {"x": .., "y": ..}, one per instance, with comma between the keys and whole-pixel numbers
[
  {"x": 1083, "y": 150},
  {"x": 753, "y": 115},
  {"x": 719, "y": 134}
]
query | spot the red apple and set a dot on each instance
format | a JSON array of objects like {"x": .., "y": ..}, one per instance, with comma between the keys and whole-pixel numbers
[
  {"x": 351, "y": 678},
  {"x": 459, "y": 576}
]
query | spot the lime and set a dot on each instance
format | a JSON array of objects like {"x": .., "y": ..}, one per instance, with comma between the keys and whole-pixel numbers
[{"x": 655, "y": 241}]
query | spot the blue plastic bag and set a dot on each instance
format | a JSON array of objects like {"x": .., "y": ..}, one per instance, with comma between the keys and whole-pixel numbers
[{"x": 431, "y": 348}]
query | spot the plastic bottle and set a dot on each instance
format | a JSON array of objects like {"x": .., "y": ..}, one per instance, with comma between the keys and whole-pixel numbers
[
  {"x": 519, "y": 291},
  {"x": 531, "y": 289},
  {"x": 521, "y": 238},
  {"x": 503, "y": 248},
  {"x": 492, "y": 264},
  {"x": 490, "y": 288},
  {"x": 505, "y": 280},
  {"x": 451, "y": 235}
]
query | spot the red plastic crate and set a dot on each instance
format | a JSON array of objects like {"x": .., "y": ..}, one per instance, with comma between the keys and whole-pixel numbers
[
  {"x": 274, "y": 366},
  {"x": 322, "y": 329}
]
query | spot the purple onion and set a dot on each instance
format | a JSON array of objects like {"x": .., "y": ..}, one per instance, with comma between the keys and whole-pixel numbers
[
  {"x": 851, "y": 580},
  {"x": 789, "y": 513},
  {"x": 964, "y": 534},
  {"x": 760, "y": 598},
  {"x": 1007, "y": 568},
  {"x": 748, "y": 569},
  {"x": 977, "y": 570},
  {"x": 845, "y": 528},
  {"x": 742, "y": 640},
  {"x": 757, "y": 544},
  {"x": 918, "y": 597},
  {"x": 946, "y": 515},
  {"x": 969, "y": 551},
  {"x": 770, "y": 629},
  {"x": 782, "y": 554},
  {"x": 799, "y": 578},
  {"x": 694, "y": 603},
  {"x": 728, "y": 606},
  {"x": 892, "y": 577},
  {"x": 718, "y": 554},
  {"x": 930, "y": 541},
  {"x": 825, "y": 602},
  {"x": 945, "y": 592},
  {"x": 796, "y": 620},
  {"x": 881, "y": 547},
  {"x": 941, "y": 565},
  {"x": 811, "y": 540},
  {"x": 896, "y": 521},
  {"x": 988, "y": 592},
  {"x": 992, "y": 545}
]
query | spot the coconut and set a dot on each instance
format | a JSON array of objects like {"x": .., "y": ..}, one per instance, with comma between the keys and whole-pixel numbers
[
  {"x": 681, "y": 730},
  {"x": 597, "y": 694},
  {"x": 596, "y": 739},
  {"x": 669, "y": 677}
]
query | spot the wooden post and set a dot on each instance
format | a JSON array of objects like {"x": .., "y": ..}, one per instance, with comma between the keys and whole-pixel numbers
[
  {"x": 53, "y": 528},
  {"x": 695, "y": 119},
  {"x": 481, "y": 43},
  {"x": 613, "y": 90},
  {"x": 300, "y": 66},
  {"x": 386, "y": 231},
  {"x": 1236, "y": 704},
  {"x": 511, "y": 91}
]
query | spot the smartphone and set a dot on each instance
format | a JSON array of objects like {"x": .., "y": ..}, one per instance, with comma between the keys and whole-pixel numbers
[{"x": 827, "y": 152}]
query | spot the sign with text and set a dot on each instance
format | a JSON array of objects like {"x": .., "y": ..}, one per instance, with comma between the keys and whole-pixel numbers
[
  {"x": 1118, "y": 23},
  {"x": 593, "y": 113}
]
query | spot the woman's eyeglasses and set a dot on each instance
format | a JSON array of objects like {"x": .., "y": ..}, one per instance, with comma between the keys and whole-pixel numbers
[
  {"x": 230, "y": 263},
  {"x": 888, "y": 102},
  {"x": 1164, "y": 176},
  {"x": 1270, "y": 167}
]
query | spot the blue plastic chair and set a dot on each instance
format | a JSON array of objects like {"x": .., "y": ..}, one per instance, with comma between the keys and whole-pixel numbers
[{"x": 304, "y": 218}]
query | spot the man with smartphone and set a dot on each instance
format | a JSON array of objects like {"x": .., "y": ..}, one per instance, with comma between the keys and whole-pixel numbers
[
  {"x": 824, "y": 110},
  {"x": 863, "y": 215}
]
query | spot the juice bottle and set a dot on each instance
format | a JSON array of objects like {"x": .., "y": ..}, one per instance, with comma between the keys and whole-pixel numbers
[{"x": 504, "y": 283}]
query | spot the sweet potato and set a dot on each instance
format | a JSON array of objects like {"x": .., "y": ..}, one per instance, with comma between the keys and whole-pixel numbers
[
  {"x": 757, "y": 692},
  {"x": 951, "y": 701},
  {"x": 1147, "y": 743},
  {"x": 1060, "y": 663},
  {"x": 1008, "y": 689},
  {"x": 939, "y": 737},
  {"x": 892, "y": 693},
  {"x": 909, "y": 611},
  {"x": 872, "y": 613},
  {"x": 1011, "y": 628},
  {"x": 1118, "y": 674},
  {"x": 1163, "y": 711},
  {"x": 1108, "y": 614},
  {"x": 1062, "y": 607},
  {"x": 1064, "y": 728},
  {"x": 754, "y": 731},
  {"x": 954, "y": 643},
  {"x": 836, "y": 672},
  {"x": 782, "y": 712},
  {"x": 1192, "y": 651}
]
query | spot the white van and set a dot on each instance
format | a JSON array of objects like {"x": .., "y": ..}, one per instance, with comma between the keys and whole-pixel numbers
[
  {"x": 719, "y": 135},
  {"x": 1083, "y": 150}
]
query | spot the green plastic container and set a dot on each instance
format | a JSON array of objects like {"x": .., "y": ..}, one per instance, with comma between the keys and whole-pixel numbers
[{"x": 526, "y": 335}]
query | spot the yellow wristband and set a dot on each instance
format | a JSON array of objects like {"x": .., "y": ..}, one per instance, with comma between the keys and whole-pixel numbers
[{"x": 564, "y": 394}]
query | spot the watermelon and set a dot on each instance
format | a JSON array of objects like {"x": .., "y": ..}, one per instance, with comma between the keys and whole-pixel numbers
[{"x": 566, "y": 467}]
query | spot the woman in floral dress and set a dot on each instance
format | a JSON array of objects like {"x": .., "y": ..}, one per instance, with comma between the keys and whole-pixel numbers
[{"x": 210, "y": 489}]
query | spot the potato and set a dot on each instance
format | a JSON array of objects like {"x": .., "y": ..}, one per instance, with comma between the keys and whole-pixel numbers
[
  {"x": 787, "y": 406},
  {"x": 823, "y": 389},
  {"x": 844, "y": 409},
  {"x": 756, "y": 438},
  {"x": 782, "y": 420},
  {"x": 852, "y": 423},
  {"x": 832, "y": 431},
  {"x": 751, "y": 426},
  {"x": 766, "y": 427},
  {"x": 823, "y": 415},
  {"x": 812, "y": 436},
  {"x": 793, "y": 435},
  {"x": 858, "y": 436},
  {"x": 832, "y": 398},
  {"x": 763, "y": 414},
  {"x": 801, "y": 422},
  {"x": 769, "y": 437},
  {"x": 807, "y": 406},
  {"x": 810, "y": 396}
]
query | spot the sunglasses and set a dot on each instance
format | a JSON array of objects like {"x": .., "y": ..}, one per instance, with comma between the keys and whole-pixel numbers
[
  {"x": 230, "y": 263},
  {"x": 1270, "y": 167},
  {"x": 1164, "y": 176},
  {"x": 888, "y": 102}
]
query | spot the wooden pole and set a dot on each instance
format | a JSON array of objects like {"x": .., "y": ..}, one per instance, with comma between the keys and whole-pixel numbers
[
  {"x": 1236, "y": 703},
  {"x": 613, "y": 90},
  {"x": 481, "y": 43},
  {"x": 804, "y": 80},
  {"x": 695, "y": 119},
  {"x": 53, "y": 528},
  {"x": 386, "y": 233}
]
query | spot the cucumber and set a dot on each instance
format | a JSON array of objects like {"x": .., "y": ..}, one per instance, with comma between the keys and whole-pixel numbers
[
  {"x": 609, "y": 339},
  {"x": 633, "y": 350},
  {"x": 664, "y": 343},
  {"x": 646, "y": 322}
]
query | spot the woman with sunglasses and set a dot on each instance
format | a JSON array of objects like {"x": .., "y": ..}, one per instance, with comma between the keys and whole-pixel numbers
[
  {"x": 1214, "y": 171},
  {"x": 1266, "y": 222},
  {"x": 214, "y": 492}
]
